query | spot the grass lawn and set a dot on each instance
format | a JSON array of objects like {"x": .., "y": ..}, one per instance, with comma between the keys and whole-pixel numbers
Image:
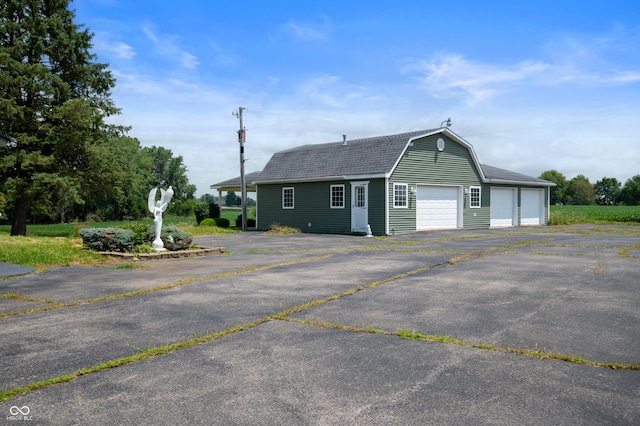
[
  {"x": 567, "y": 215},
  {"x": 187, "y": 224},
  {"x": 60, "y": 245}
]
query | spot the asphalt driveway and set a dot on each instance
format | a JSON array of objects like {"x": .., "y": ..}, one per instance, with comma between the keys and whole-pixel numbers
[{"x": 532, "y": 325}]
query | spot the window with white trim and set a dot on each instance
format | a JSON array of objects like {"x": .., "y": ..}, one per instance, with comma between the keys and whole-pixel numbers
[
  {"x": 474, "y": 197},
  {"x": 337, "y": 196},
  {"x": 287, "y": 198},
  {"x": 400, "y": 195},
  {"x": 361, "y": 200}
]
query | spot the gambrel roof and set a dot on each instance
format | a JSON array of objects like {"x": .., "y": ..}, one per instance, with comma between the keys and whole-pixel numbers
[
  {"x": 358, "y": 157},
  {"x": 366, "y": 158}
]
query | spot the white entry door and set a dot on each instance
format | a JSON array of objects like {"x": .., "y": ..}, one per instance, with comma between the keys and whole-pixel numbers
[{"x": 359, "y": 206}]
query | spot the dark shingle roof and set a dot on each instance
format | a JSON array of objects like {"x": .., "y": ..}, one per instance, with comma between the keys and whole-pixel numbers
[
  {"x": 368, "y": 156},
  {"x": 496, "y": 174},
  {"x": 359, "y": 157},
  {"x": 248, "y": 177}
]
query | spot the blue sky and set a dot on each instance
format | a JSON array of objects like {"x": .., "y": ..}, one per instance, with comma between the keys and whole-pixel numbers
[{"x": 531, "y": 85}]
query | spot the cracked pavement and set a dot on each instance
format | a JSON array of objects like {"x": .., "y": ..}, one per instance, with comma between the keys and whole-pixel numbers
[{"x": 316, "y": 342}]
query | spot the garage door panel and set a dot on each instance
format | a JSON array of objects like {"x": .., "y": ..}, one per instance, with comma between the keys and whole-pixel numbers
[
  {"x": 502, "y": 207},
  {"x": 531, "y": 207},
  {"x": 437, "y": 207}
]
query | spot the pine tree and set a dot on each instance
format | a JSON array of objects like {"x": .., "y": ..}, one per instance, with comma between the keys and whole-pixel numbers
[{"x": 54, "y": 97}]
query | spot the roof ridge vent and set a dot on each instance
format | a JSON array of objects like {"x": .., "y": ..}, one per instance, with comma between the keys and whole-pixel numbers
[{"x": 344, "y": 140}]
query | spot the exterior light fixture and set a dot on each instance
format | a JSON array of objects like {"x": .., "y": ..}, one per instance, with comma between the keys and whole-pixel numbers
[{"x": 447, "y": 122}]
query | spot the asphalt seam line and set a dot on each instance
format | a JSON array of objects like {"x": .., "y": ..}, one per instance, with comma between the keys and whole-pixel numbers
[
  {"x": 413, "y": 335},
  {"x": 180, "y": 283},
  {"x": 284, "y": 315},
  {"x": 162, "y": 350}
]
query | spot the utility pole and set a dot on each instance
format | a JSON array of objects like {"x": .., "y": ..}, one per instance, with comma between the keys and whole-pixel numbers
[{"x": 242, "y": 136}]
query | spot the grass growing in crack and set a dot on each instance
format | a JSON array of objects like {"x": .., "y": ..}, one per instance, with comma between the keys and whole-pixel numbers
[
  {"x": 531, "y": 353},
  {"x": 127, "y": 266},
  {"x": 179, "y": 283},
  {"x": 19, "y": 296},
  {"x": 154, "y": 351},
  {"x": 142, "y": 354},
  {"x": 624, "y": 251},
  {"x": 449, "y": 340}
]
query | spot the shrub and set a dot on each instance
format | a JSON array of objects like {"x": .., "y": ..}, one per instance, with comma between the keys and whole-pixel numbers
[
  {"x": 222, "y": 222},
  {"x": 174, "y": 238},
  {"x": 93, "y": 217},
  {"x": 214, "y": 210},
  {"x": 201, "y": 211},
  {"x": 107, "y": 239},
  {"x": 140, "y": 232},
  {"x": 208, "y": 222},
  {"x": 181, "y": 208},
  {"x": 251, "y": 223}
]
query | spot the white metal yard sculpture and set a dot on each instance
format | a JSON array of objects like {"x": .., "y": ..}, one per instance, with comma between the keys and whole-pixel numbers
[{"x": 157, "y": 208}]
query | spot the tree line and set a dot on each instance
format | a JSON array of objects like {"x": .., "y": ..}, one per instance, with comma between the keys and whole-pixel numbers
[
  {"x": 606, "y": 191},
  {"x": 59, "y": 157}
]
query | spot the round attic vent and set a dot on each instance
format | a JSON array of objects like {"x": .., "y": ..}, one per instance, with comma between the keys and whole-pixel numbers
[{"x": 440, "y": 144}]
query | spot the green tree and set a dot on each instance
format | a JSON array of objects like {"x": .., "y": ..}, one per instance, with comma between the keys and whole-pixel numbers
[
  {"x": 53, "y": 101},
  {"x": 117, "y": 185},
  {"x": 208, "y": 198},
  {"x": 607, "y": 191},
  {"x": 167, "y": 170},
  {"x": 558, "y": 192},
  {"x": 580, "y": 191},
  {"x": 232, "y": 199},
  {"x": 630, "y": 193}
]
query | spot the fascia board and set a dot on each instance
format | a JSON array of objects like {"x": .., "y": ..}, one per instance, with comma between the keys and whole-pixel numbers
[
  {"x": 362, "y": 177},
  {"x": 518, "y": 182},
  {"x": 320, "y": 179}
]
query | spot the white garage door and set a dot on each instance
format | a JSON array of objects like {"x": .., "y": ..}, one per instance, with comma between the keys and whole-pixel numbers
[
  {"x": 532, "y": 213},
  {"x": 437, "y": 207},
  {"x": 503, "y": 210}
]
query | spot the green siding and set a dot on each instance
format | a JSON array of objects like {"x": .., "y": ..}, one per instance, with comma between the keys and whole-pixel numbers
[
  {"x": 312, "y": 205},
  {"x": 422, "y": 163},
  {"x": 377, "y": 206}
]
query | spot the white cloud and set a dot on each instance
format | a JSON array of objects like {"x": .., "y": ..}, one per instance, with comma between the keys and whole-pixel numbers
[
  {"x": 168, "y": 46},
  {"x": 451, "y": 75},
  {"x": 329, "y": 90},
  {"x": 594, "y": 61},
  {"x": 103, "y": 43},
  {"x": 308, "y": 31}
]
